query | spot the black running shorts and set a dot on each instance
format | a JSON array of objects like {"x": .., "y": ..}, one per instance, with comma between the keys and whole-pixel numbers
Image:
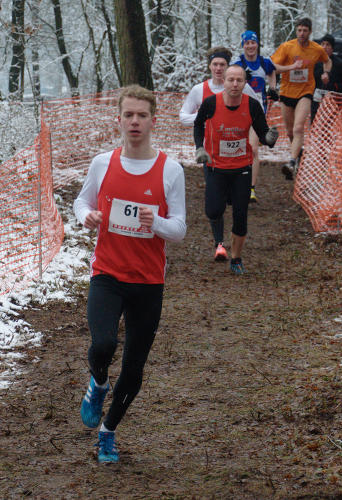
[{"x": 291, "y": 102}]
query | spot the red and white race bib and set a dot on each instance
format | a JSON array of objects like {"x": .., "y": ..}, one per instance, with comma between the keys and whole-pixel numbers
[
  {"x": 230, "y": 149},
  {"x": 124, "y": 219}
]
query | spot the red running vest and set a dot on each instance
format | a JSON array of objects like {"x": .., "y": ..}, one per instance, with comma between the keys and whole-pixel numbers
[
  {"x": 206, "y": 90},
  {"x": 123, "y": 249},
  {"x": 226, "y": 135}
]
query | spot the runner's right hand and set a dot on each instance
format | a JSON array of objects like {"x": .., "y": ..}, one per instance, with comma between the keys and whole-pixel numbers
[{"x": 93, "y": 219}]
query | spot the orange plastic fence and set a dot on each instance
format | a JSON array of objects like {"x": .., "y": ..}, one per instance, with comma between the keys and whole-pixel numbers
[
  {"x": 318, "y": 186},
  {"x": 84, "y": 126},
  {"x": 31, "y": 229},
  {"x": 74, "y": 130},
  {"x": 80, "y": 128}
]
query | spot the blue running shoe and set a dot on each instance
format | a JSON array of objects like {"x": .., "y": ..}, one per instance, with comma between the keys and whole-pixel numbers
[
  {"x": 108, "y": 452},
  {"x": 236, "y": 266},
  {"x": 91, "y": 409}
]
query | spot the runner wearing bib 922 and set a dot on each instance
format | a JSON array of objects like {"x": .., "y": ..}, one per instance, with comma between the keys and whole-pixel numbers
[
  {"x": 222, "y": 125},
  {"x": 298, "y": 85}
]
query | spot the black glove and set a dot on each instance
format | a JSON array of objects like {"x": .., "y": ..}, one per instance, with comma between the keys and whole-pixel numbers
[
  {"x": 272, "y": 136},
  {"x": 273, "y": 94},
  {"x": 248, "y": 75},
  {"x": 202, "y": 156}
]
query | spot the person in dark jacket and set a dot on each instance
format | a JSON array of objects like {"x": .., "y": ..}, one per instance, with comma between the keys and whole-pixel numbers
[{"x": 335, "y": 75}]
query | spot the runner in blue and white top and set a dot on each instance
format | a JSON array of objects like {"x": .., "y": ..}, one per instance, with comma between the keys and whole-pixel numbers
[{"x": 258, "y": 69}]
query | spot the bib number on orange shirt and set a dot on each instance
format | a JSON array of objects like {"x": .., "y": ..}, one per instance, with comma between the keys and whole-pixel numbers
[{"x": 299, "y": 75}]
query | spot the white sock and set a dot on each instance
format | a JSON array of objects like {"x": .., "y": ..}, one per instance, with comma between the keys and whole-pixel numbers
[
  {"x": 102, "y": 386},
  {"x": 103, "y": 428}
]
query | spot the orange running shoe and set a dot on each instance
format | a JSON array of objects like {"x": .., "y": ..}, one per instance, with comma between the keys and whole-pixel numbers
[{"x": 221, "y": 253}]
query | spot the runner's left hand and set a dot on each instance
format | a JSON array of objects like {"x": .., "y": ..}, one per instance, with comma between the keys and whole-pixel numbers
[{"x": 146, "y": 217}]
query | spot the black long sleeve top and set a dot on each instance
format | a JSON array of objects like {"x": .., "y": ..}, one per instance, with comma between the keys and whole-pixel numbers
[{"x": 335, "y": 77}]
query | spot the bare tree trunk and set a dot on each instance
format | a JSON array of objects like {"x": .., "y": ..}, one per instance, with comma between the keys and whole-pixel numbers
[
  {"x": 96, "y": 48},
  {"x": 253, "y": 16},
  {"x": 111, "y": 41},
  {"x": 135, "y": 63},
  {"x": 35, "y": 50},
  {"x": 162, "y": 27},
  {"x": 71, "y": 77},
  {"x": 209, "y": 14},
  {"x": 16, "y": 72},
  {"x": 156, "y": 21}
]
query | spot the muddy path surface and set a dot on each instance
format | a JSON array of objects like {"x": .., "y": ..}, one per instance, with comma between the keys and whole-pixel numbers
[{"x": 242, "y": 391}]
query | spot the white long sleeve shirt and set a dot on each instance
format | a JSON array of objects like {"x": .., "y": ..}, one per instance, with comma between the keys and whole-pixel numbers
[
  {"x": 194, "y": 99},
  {"x": 173, "y": 228}
]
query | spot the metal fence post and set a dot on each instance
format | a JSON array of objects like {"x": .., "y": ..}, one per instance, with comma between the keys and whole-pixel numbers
[{"x": 40, "y": 209}]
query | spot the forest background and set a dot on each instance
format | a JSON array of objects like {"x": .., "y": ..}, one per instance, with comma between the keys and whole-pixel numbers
[{"x": 55, "y": 48}]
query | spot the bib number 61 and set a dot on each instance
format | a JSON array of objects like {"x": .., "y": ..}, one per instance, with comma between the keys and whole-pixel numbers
[{"x": 131, "y": 211}]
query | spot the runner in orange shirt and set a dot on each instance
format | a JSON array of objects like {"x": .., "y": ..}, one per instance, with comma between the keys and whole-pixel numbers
[{"x": 298, "y": 85}]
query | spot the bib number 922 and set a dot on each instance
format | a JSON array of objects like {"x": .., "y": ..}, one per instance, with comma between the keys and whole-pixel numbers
[{"x": 232, "y": 144}]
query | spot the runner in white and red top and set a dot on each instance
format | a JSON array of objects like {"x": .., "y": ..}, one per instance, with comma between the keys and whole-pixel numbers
[
  {"x": 135, "y": 197},
  {"x": 218, "y": 61}
]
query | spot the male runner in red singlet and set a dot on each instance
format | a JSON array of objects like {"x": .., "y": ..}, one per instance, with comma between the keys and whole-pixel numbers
[
  {"x": 223, "y": 122},
  {"x": 134, "y": 197}
]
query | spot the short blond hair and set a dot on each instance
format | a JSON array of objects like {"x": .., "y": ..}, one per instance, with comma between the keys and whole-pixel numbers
[{"x": 141, "y": 93}]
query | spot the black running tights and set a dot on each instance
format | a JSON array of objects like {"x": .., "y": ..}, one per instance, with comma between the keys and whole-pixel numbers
[
  {"x": 141, "y": 306},
  {"x": 233, "y": 187}
]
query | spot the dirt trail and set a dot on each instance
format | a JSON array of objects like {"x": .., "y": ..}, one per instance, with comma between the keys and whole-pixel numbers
[{"x": 242, "y": 392}]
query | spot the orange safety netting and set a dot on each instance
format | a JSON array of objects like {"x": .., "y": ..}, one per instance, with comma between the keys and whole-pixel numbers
[
  {"x": 82, "y": 127},
  {"x": 31, "y": 229},
  {"x": 76, "y": 129},
  {"x": 318, "y": 186}
]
